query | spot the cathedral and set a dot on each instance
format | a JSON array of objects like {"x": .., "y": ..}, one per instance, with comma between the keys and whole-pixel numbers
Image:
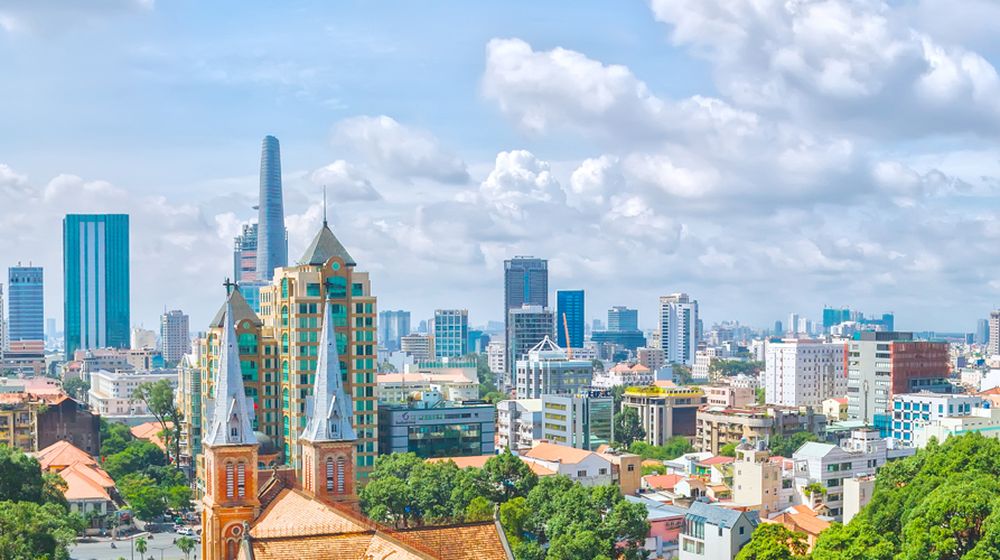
[{"x": 312, "y": 512}]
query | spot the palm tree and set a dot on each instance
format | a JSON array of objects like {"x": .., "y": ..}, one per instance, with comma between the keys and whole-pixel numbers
[
  {"x": 140, "y": 546},
  {"x": 186, "y": 544}
]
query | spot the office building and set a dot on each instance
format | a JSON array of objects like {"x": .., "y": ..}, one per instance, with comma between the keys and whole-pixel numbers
[
  {"x": 548, "y": 369},
  {"x": 912, "y": 411},
  {"x": 622, "y": 318},
  {"x": 678, "y": 328},
  {"x": 140, "y": 338},
  {"x": 451, "y": 333},
  {"x": 4, "y": 344},
  {"x": 175, "y": 336},
  {"x": 792, "y": 328},
  {"x": 665, "y": 412},
  {"x": 717, "y": 426},
  {"x": 272, "y": 239},
  {"x": 583, "y": 420},
  {"x": 25, "y": 306},
  {"x": 496, "y": 357},
  {"x": 392, "y": 327},
  {"x": 836, "y": 316},
  {"x": 803, "y": 372},
  {"x": 525, "y": 282},
  {"x": 478, "y": 341},
  {"x": 993, "y": 344},
  {"x": 883, "y": 364},
  {"x": 444, "y": 429},
  {"x": 526, "y": 327},
  {"x": 569, "y": 318},
  {"x": 111, "y": 394},
  {"x": 519, "y": 423},
  {"x": 96, "y": 281},
  {"x": 419, "y": 346},
  {"x": 982, "y": 332},
  {"x": 245, "y": 255}
]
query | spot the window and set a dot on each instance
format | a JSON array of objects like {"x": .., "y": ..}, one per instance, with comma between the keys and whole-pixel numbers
[
  {"x": 341, "y": 463},
  {"x": 631, "y": 468},
  {"x": 581, "y": 474},
  {"x": 603, "y": 471},
  {"x": 241, "y": 480},
  {"x": 329, "y": 474},
  {"x": 229, "y": 480}
]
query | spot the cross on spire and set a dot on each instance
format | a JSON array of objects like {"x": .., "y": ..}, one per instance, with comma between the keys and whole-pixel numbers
[
  {"x": 229, "y": 284},
  {"x": 324, "y": 206}
]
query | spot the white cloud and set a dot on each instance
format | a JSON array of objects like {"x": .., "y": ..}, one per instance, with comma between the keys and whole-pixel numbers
[
  {"x": 399, "y": 150},
  {"x": 345, "y": 183}
]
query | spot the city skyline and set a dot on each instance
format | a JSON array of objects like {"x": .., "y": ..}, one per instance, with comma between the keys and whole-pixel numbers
[{"x": 675, "y": 172}]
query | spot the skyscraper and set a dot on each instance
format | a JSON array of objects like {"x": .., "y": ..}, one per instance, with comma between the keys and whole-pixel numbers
[
  {"x": 678, "y": 328},
  {"x": 272, "y": 239},
  {"x": 525, "y": 282},
  {"x": 26, "y": 304},
  {"x": 982, "y": 331},
  {"x": 622, "y": 318},
  {"x": 3, "y": 325},
  {"x": 569, "y": 305},
  {"x": 392, "y": 327},
  {"x": 245, "y": 255},
  {"x": 451, "y": 333},
  {"x": 527, "y": 326},
  {"x": 175, "y": 335},
  {"x": 993, "y": 345},
  {"x": 96, "y": 281}
]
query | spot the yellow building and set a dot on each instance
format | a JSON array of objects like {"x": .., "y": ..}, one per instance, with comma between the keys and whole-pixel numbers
[
  {"x": 665, "y": 412},
  {"x": 18, "y": 418}
]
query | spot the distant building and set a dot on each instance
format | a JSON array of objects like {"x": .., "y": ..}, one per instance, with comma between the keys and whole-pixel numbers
[
  {"x": 586, "y": 467},
  {"x": 993, "y": 343},
  {"x": 140, "y": 338},
  {"x": 26, "y": 304},
  {"x": 96, "y": 281},
  {"x": 392, "y": 327},
  {"x": 665, "y": 412},
  {"x": 175, "y": 335},
  {"x": 623, "y": 374},
  {"x": 678, "y": 328},
  {"x": 569, "y": 318},
  {"x": 519, "y": 423},
  {"x": 718, "y": 426},
  {"x": 496, "y": 357},
  {"x": 912, "y": 411},
  {"x": 111, "y": 394},
  {"x": 420, "y": 346},
  {"x": 653, "y": 358},
  {"x": 547, "y": 369},
  {"x": 526, "y": 327},
  {"x": 729, "y": 395},
  {"x": 583, "y": 420},
  {"x": 835, "y": 409},
  {"x": 451, "y": 333},
  {"x": 982, "y": 332},
  {"x": 621, "y": 318},
  {"x": 525, "y": 283},
  {"x": 713, "y": 532},
  {"x": 442, "y": 430},
  {"x": 758, "y": 482},
  {"x": 803, "y": 372},
  {"x": 272, "y": 237},
  {"x": 245, "y": 255}
]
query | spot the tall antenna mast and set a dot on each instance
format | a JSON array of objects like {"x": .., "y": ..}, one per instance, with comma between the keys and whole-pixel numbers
[{"x": 324, "y": 206}]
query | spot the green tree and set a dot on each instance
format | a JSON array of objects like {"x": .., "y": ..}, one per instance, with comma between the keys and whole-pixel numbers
[
  {"x": 653, "y": 469},
  {"x": 759, "y": 395},
  {"x": 493, "y": 397},
  {"x": 387, "y": 499},
  {"x": 732, "y": 368},
  {"x": 137, "y": 457},
  {"x": 38, "y": 531},
  {"x": 949, "y": 522},
  {"x": 76, "y": 388},
  {"x": 140, "y": 546},
  {"x": 506, "y": 476},
  {"x": 628, "y": 427},
  {"x": 772, "y": 541},
  {"x": 786, "y": 446},
  {"x": 21, "y": 479},
  {"x": 681, "y": 373},
  {"x": 857, "y": 541},
  {"x": 672, "y": 449},
  {"x": 159, "y": 398},
  {"x": 728, "y": 450},
  {"x": 186, "y": 545},
  {"x": 479, "y": 509},
  {"x": 115, "y": 437},
  {"x": 146, "y": 498}
]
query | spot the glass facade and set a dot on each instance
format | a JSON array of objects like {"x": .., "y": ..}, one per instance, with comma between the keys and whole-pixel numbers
[
  {"x": 451, "y": 333},
  {"x": 96, "y": 282},
  {"x": 26, "y": 305},
  {"x": 569, "y": 307},
  {"x": 446, "y": 430},
  {"x": 272, "y": 239}
]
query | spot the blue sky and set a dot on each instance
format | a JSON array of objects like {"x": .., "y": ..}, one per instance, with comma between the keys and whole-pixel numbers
[{"x": 765, "y": 157}]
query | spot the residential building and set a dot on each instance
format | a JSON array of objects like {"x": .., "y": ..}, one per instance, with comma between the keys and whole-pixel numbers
[
  {"x": 272, "y": 238},
  {"x": 26, "y": 308},
  {"x": 623, "y": 319},
  {"x": 984, "y": 419},
  {"x": 451, "y": 333},
  {"x": 18, "y": 420},
  {"x": 569, "y": 318},
  {"x": 883, "y": 364},
  {"x": 586, "y": 467},
  {"x": 665, "y": 524},
  {"x": 90, "y": 492},
  {"x": 519, "y": 423},
  {"x": 548, "y": 369},
  {"x": 525, "y": 283},
  {"x": 624, "y": 374},
  {"x": 65, "y": 419},
  {"x": 420, "y": 346},
  {"x": 175, "y": 336},
  {"x": 678, "y": 328},
  {"x": 718, "y": 426},
  {"x": 835, "y": 409},
  {"x": 701, "y": 370},
  {"x": 496, "y": 357},
  {"x": 584, "y": 420},
  {"x": 526, "y": 327},
  {"x": 804, "y": 372},
  {"x": 912, "y": 411},
  {"x": 441, "y": 429},
  {"x": 626, "y": 469},
  {"x": 245, "y": 255},
  {"x": 653, "y": 358},
  {"x": 758, "y": 482},
  {"x": 189, "y": 404},
  {"x": 96, "y": 281},
  {"x": 665, "y": 412},
  {"x": 713, "y": 532},
  {"x": 111, "y": 394},
  {"x": 729, "y": 395},
  {"x": 140, "y": 338},
  {"x": 802, "y": 519},
  {"x": 392, "y": 327},
  {"x": 3, "y": 325},
  {"x": 858, "y": 491},
  {"x": 993, "y": 342}
]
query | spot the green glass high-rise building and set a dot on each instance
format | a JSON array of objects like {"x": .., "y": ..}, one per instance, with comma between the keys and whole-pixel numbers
[{"x": 96, "y": 281}]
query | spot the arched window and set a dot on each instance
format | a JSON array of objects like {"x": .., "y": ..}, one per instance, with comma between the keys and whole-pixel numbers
[
  {"x": 231, "y": 549},
  {"x": 284, "y": 343},
  {"x": 229, "y": 480},
  {"x": 329, "y": 474},
  {"x": 340, "y": 474},
  {"x": 241, "y": 480},
  {"x": 284, "y": 315},
  {"x": 284, "y": 364}
]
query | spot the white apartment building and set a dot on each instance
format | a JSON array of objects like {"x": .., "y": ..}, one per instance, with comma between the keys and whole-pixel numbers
[
  {"x": 993, "y": 347},
  {"x": 802, "y": 372},
  {"x": 984, "y": 419},
  {"x": 623, "y": 375},
  {"x": 586, "y": 467},
  {"x": 111, "y": 393},
  {"x": 713, "y": 532},
  {"x": 912, "y": 411},
  {"x": 761, "y": 483},
  {"x": 678, "y": 328},
  {"x": 547, "y": 369},
  {"x": 496, "y": 357},
  {"x": 175, "y": 335},
  {"x": 519, "y": 423},
  {"x": 703, "y": 363},
  {"x": 142, "y": 338}
]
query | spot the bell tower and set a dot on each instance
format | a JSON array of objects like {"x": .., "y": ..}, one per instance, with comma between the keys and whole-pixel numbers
[
  {"x": 328, "y": 439},
  {"x": 230, "y": 448}
]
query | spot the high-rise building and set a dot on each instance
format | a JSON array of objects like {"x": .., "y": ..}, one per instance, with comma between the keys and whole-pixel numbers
[
  {"x": 96, "y": 281},
  {"x": 993, "y": 343},
  {"x": 622, "y": 318},
  {"x": 679, "y": 328},
  {"x": 583, "y": 420},
  {"x": 982, "y": 331},
  {"x": 140, "y": 339},
  {"x": 419, "y": 346},
  {"x": 569, "y": 317},
  {"x": 245, "y": 255},
  {"x": 175, "y": 335},
  {"x": 392, "y": 327},
  {"x": 547, "y": 369},
  {"x": 883, "y": 364},
  {"x": 597, "y": 325},
  {"x": 4, "y": 344},
  {"x": 272, "y": 238},
  {"x": 526, "y": 326},
  {"x": 792, "y": 327},
  {"x": 525, "y": 282},
  {"x": 26, "y": 304},
  {"x": 451, "y": 333},
  {"x": 803, "y": 372}
]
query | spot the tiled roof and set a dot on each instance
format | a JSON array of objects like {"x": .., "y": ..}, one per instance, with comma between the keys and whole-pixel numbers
[
  {"x": 558, "y": 453},
  {"x": 63, "y": 454},
  {"x": 717, "y": 460},
  {"x": 86, "y": 482},
  {"x": 150, "y": 431},
  {"x": 350, "y": 545},
  {"x": 478, "y": 461},
  {"x": 241, "y": 311},
  {"x": 718, "y": 515},
  {"x": 479, "y": 541},
  {"x": 656, "y": 511},
  {"x": 801, "y": 518},
  {"x": 294, "y": 513},
  {"x": 662, "y": 481},
  {"x": 324, "y": 246}
]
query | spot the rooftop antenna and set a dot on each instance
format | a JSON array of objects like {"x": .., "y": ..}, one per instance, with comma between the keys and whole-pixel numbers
[{"x": 324, "y": 206}]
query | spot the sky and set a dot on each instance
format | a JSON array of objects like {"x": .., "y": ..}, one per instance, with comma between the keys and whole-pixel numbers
[{"x": 764, "y": 156}]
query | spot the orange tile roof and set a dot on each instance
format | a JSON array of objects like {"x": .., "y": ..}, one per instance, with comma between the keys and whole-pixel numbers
[
  {"x": 801, "y": 518},
  {"x": 86, "y": 482},
  {"x": 62, "y": 454},
  {"x": 295, "y": 513},
  {"x": 558, "y": 453},
  {"x": 662, "y": 481},
  {"x": 150, "y": 431},
  {"x": 350, "y": 545},
  {"x": 716, "y": 460},
  {"x": 664, "y": 383},
  {"x": 479, "y": 541},
  {"x": 479, "y": 461}
]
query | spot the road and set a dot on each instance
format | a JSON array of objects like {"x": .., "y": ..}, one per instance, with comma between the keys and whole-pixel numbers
[{"x": 160, "y": 546}]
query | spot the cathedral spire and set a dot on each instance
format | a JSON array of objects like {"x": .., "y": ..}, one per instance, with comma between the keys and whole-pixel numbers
[
  {"x": 329, "y": 409},
  {"x": 230, "y": 423}
]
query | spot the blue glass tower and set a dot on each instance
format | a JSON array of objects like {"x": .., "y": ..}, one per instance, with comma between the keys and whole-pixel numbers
[
  {"x": 26, "y": 311},
  {"x": 569, "y": 303},
  {"x": 96, "y": 282},
  {"x": 272, "y": 239}
]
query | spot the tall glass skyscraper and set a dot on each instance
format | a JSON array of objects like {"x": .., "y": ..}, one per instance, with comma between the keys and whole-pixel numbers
[
  {"x": 621, "y": 319},
  {"x": 272, "y": 239},
  {"x": 569, "y": 304},
  {"x": 392, "y": 327},
  {"x": 26, "y": 304},
  {"x": 96, "y": 282},
  {"x": 451, "y": 333},
  {"x": 525, "y": 282}
]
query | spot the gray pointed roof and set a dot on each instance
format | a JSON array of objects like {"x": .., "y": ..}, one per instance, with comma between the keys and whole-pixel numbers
[
  {"x": 329, "y": 410},
  {"x": 241, "y": 310},
  {"x": 230, "y": 420},
  {"x": 324, "y": 246}
]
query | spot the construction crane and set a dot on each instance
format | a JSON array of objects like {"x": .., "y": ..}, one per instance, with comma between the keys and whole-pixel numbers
[{"x": 569, "y": 347}]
